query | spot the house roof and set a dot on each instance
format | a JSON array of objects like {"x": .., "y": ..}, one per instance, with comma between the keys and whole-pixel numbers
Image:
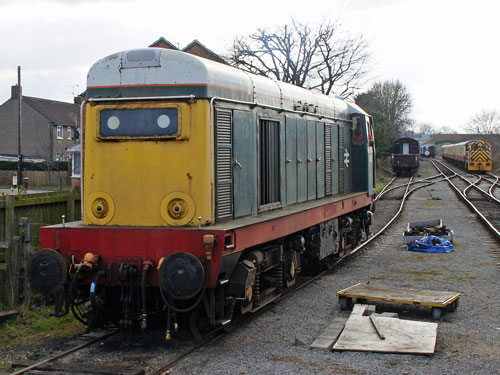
[
  {"x": 60, "y": 113},
  {"x": 163, "y": 43},
  {"x": 195, "y": 46}
]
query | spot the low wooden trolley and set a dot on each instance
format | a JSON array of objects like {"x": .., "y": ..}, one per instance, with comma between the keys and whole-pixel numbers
[{"x": 439, "y": 301}]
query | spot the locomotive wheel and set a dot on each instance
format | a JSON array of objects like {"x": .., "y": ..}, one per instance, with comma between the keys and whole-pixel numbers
[
  {"x": 290, "y": 272},
  {"x": 198, "y": 324}
]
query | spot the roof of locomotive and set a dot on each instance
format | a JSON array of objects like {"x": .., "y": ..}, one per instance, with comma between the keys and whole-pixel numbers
[
  {"x": 466, "y": 143},
  {"x": 405, "y": 140},
  {"x": 155, "y": 72}
]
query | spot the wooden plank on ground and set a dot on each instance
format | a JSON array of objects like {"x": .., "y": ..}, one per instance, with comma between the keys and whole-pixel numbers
[
  {"x": 363, "y": 309},
  {"x": 400, "y": 295},
  {"x": 401, "y": 336},
  {"x": 8, "y": 314},
  {"x": 330, "y": 334}
]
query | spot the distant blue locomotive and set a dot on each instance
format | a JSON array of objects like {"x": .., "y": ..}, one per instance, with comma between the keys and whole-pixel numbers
[{"x": 428, "y": 151}]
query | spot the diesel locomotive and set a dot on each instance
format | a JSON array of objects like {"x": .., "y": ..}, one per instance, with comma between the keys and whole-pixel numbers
[
  {"x": 473, "y": 156},
  {"x": 427, "y": 151},
  {"x": 205, "y": 191},
  {"x": 405, "y": 156}
]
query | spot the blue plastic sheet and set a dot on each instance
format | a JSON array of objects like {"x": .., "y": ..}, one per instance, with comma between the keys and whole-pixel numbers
[{"x": 431, "y": 244}]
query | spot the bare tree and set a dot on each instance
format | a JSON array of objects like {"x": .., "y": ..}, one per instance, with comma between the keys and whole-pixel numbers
[
  {"x": 392, "y": 99},
  {"x": 322, "y": 58},
  {"x": 485, "y": 122},
  {"x": 426, "y": 128},
  {"x": 446, "y": 130}
]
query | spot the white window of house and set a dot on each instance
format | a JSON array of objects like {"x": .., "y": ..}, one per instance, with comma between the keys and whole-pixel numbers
[
  {"x": 60, "y": 131},
  {"x": 76, "y": 165},
  {"x": 58, "y": 157},
  {"x": 69, "y": 132}
]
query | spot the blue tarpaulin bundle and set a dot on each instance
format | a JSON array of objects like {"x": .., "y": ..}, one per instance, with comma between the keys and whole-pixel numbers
[{"x": 431, "y": 244}]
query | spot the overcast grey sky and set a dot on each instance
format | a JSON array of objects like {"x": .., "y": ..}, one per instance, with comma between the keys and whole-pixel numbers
[{"x": 445, "y": 51}]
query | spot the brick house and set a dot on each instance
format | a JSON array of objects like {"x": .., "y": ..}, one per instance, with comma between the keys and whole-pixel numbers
[
  {"x": 48, "y": 128},
  {"x": 194, "y": 48}
]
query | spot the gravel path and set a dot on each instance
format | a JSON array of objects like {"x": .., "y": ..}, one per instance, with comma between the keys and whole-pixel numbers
[{"x": 468, "y": 340}]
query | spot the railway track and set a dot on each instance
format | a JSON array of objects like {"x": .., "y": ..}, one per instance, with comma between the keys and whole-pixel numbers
[
  {"x": 479, "y": 199},
  {"x": 47, "y": 365},
  {"x": 394, "y": 194},
  {"x": 391, "y": 187}
]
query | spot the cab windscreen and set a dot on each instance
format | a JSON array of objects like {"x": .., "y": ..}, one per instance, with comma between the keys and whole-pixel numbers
[{"x": 148, "y": 122}]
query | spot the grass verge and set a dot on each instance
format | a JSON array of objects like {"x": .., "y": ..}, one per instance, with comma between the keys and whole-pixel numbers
[{"x": 33, "y": 330}]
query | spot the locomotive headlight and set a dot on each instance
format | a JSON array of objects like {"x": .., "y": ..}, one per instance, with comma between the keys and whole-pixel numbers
[
  {"x": 99, "y": 208},
  {"x": 177, "y": 209}
]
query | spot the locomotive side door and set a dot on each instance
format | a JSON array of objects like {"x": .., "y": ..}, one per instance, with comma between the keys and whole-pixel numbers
[
  {"x": 311, "y": 160},
  {"x": 244, "y": 169},
  {"x": 291, "y": 160},
  {"x": 320, "y": 159},
  {"x": 334, "y": 155},
  {"x": 301, "y": 160}
]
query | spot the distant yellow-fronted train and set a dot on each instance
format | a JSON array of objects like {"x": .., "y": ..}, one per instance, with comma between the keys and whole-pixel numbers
[{"x": 470, "y": 155}]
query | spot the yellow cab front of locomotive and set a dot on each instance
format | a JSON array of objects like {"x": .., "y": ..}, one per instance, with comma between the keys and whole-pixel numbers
[{"x": 147, "y": 163}]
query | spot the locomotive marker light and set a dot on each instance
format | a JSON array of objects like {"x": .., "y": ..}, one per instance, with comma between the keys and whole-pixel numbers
[{"x": 113, "y": 122}]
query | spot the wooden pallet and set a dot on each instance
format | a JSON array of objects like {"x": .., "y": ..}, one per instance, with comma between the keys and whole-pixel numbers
[{"x": 439, "y": 301}]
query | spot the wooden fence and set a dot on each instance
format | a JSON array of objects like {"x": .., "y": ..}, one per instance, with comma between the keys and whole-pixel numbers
[
  {"x": 20, "y": 219},
  {"x": 37, "y": 178}
]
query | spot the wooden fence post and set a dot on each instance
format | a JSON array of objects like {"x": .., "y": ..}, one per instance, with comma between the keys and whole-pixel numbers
[
  {"x": 70, "y": 206},
  {"x": 10, "y": 246},
  {"x": 10, "y": 204},
  {"x": 12, "y": 274},
  {"x": 26, "y": 250}
]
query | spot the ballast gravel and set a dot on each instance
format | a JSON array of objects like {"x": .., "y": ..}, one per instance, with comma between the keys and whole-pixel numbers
[{"x": 468, "y": 340}]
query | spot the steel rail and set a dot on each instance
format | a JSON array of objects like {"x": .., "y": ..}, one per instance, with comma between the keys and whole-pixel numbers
[
  {"x": 471, "y": 205},
  {"x": 386, "y": 188},
  {"x": 219, "y": 331},
  {"x": 382, "y": 192},
  {"x": 162, "y": 370},
  {"x": 494, "y": 184},
  {"x": 472, "y": 184},
  {"x": 67, "y": 352}
]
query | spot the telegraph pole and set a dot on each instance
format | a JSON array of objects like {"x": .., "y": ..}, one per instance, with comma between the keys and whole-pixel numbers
[{"x": 19, "y": 129}]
